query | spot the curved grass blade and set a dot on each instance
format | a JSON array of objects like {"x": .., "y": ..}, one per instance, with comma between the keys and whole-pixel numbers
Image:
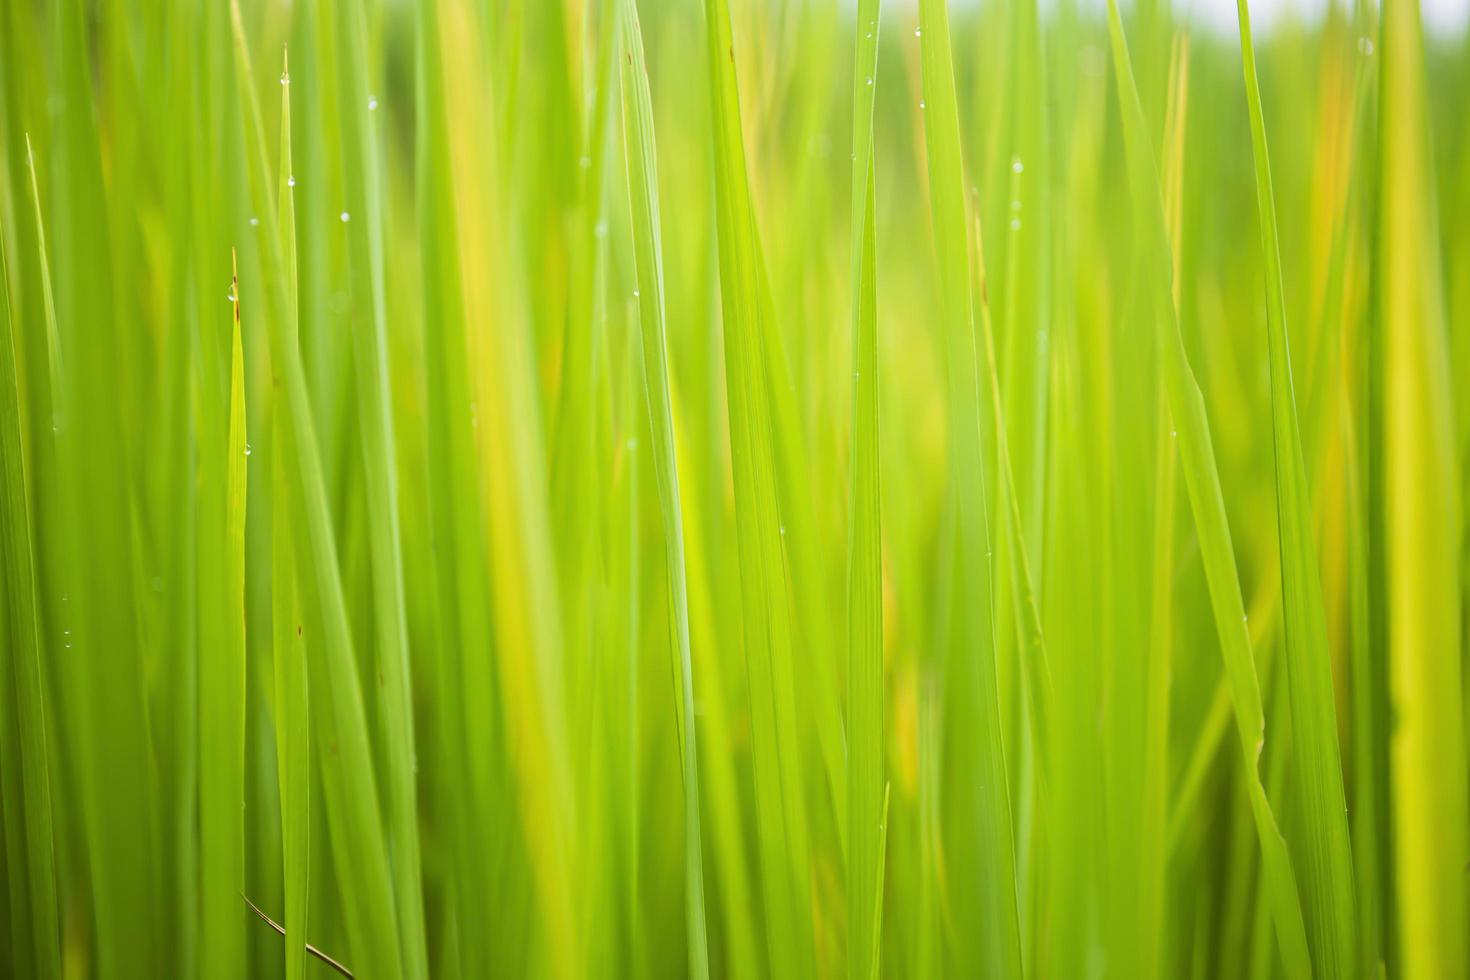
[
  {"x": 1328, "y": 870},
  {"x": 640, "y": 149},
  {"x": 1207, "y": 503}
]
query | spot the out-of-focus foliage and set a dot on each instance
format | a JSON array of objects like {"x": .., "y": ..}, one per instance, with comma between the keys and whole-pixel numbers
[{"x": 739, "y": 488}]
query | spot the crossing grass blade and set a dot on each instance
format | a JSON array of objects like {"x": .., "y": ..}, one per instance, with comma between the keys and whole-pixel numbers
[
  {"x": 1202, "y": 481},
  {"x": 983, "y": 835},
  {"x": 1423, "y": 516},
  {"x": 1328, "y": 874},
  {"x": 24, "y": 666},
  {"x": 641, "y": 155}
]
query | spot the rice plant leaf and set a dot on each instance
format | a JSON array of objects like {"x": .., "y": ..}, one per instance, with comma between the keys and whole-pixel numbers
[
  {"x": 363, "y": 220},
  {"x": 222, "y": 663},
  {"x": 1423, "y": 514},
  {"x": 1329, "y": 904},
  {"x": 642, "y": 167},
  {"x": 293, "y": 721},
  {"x": 1035, "y": 664},
  {"x": 338, "y": 717},
  {"x": 866, "y": 796},
  {"x": 23, "y": 656},
  {"x": 991, "y": 917},
  {"x": 1202, "y": 482},
  {"x": 781, "y": 818}
]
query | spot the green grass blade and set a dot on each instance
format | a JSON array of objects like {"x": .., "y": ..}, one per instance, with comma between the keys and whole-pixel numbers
[
  {"x": 23, "y": 656},
  {"x": 1034, "y": 662},
  {"x": 640, "y": 150},
  {"x": 1424, "y": 518},
  {"x": 1202, "y": 481},
  {"x": 1328, "y": 869},
  {"x": 338, "y": 717},
  {"x": 781, "y": 818},
  {"x": 989, "y": 911},
  {"x": 222, "y": 655},
  {"x": 363, "y": 219},
  {"x": 866, "y": 796},
  {"x": 293, "y": 720}
]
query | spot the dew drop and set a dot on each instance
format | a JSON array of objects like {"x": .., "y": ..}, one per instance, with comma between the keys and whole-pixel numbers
[
  {"x": 870, "y": 81},
  {"x": 1015, "y": 224},
  {"x": 601, "y": 230},
  {"x": 346, "y": 217},
  {"x": 291, "y": 181},
  {"x": 285, "y": 78},
  {"x": 248, "y": 450},
  {"x": 231, "y": 296},
  {"x": 870, "y": 35},
  {"x": 635, "y": 294},
  {"x": 1016, "y": 204},
  {"x": 1017, "y": 166},
  {"x": 921, "y": 105},
  {"x": 372, "y": 103},
  {"x": 916, "y": 32},
  {"x": 783, "y": 530},
  {"x": 255, "y": 222},
  {"x": 1365, "y": 45}
]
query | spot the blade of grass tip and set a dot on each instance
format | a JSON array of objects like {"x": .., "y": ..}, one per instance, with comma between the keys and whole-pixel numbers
[
  {"x": 338, "y": 717},
  {"x": 394, "y": 704},
  {"x": 293, "y": 732},
  {"x": 997, "y": 937},
  {"x": 222, "y": 663},
  {"x": 1423, "y": 510},
  {"x": 764, "y": 596},
  {"x": 24, "y": 652},
  {"x": 866, "y": 795},
  {"x": 1328, "y": 870},
  {"x": 642, "y": 167},
  {"x": 1207, "y": 503}
]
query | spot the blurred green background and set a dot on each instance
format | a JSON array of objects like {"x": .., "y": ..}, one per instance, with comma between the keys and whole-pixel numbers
[{"x": 446, "y": 471}]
